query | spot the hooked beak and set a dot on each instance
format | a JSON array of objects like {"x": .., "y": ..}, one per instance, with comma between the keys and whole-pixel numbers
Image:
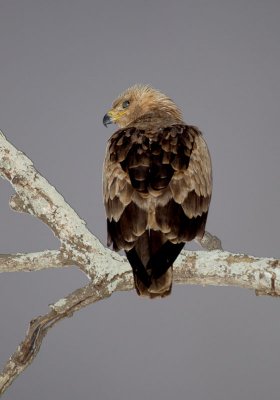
[{"x": 107, "y": 120}]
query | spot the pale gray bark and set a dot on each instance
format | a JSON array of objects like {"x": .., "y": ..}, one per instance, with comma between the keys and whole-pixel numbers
[{"x": 31, "y": 261}]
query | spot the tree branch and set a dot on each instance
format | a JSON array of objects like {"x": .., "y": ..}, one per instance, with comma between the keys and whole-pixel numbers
[
  {"x": 210, "y": 242},
  {"x": 40, "y": 199},
  {"x": 32, "y": 261},
  {"x": 213, "y": 268},
  {"x": 38, "y": 328},
  {"x": 108, "y": 271}
]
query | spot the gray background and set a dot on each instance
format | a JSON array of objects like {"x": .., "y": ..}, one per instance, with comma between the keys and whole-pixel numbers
[{"x": 61, "y": 65}]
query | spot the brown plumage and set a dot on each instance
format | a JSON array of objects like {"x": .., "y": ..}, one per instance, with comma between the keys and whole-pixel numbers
[{"x": 157, "y": 185}]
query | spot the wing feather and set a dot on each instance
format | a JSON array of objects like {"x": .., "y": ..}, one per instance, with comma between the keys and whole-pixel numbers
[{"x": 158, "y": 180}]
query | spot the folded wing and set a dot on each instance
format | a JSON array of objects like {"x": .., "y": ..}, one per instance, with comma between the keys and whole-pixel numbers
[{"x": 157, "y": 188}]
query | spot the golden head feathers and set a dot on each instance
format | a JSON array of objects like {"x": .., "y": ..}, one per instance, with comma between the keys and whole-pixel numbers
[{"x": 138, "y": 100}]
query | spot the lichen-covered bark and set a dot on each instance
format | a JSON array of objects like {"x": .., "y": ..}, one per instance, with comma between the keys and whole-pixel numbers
[{"x": 32, "y": 261}]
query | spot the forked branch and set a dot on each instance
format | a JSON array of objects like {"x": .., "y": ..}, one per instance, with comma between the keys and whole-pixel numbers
[{"x": 107, "y": 271}]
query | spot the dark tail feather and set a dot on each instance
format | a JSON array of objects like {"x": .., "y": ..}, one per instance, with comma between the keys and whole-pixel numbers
[
  {"x": 139, "y": 271},
  {"x": 151, "y": 260}
]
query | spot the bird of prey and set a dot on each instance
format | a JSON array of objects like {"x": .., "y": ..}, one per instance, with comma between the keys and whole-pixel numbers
[{"x": 157, "y": 184}]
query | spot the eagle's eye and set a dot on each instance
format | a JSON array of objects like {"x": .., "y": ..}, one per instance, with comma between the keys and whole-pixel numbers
[{"x": 125, "y": 104}]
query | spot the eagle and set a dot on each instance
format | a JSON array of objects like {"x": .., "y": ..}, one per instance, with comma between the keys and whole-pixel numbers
[{"x": 157, "y": 185}]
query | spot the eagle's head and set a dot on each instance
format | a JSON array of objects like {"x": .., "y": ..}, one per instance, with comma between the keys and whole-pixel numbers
[{"x": 137, "y": 101}]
